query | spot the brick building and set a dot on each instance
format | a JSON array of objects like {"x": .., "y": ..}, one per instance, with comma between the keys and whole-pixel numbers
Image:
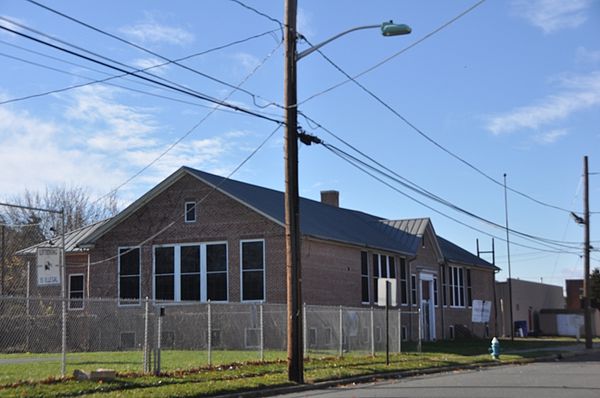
[{"x": 200, "y": 237}]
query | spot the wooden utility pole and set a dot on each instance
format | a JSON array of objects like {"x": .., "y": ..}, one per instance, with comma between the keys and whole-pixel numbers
[
  {"x": 586, "y": 255},
  {"x": 292, "y": 206}
]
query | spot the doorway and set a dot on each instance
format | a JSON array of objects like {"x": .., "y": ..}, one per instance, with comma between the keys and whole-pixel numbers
[{"x": 427, "y": 308}]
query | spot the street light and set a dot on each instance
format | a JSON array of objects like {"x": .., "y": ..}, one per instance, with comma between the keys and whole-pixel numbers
[{"x": 292, "y": 207}]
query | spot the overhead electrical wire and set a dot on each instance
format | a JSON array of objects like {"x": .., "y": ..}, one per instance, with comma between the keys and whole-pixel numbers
[
  {"x": 93, "y": 80},
  {"x": 154, "y": 53},
  {"x": 199, "y": 201},
  {"x": 404, "y": 119},
  {"x": 134, "y": 73}
]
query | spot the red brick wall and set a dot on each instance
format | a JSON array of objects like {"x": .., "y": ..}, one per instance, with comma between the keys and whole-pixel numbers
[{"x": 219, "y": 218}]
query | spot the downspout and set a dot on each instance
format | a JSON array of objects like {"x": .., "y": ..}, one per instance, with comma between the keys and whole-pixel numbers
[
  {"x": 87, "y": 282},
  {"x": 409, "y": 293}
]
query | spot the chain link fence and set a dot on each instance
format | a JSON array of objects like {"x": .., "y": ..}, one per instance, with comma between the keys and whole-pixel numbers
[{"x": 156, "y": 337}]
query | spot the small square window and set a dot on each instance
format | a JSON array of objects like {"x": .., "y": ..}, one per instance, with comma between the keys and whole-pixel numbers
[{"x": 190, "y": 211}]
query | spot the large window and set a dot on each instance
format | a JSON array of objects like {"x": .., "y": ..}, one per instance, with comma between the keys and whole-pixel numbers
[
  {"x": 191, "y": 272},
  {"x": 76, "y": 291},
  {"x": 444, "y": 287},
  {"x": 469, "y": 291},
  {"x": 383, "y": 267},
  {"x": 129, "y": 275},
  {"x": 413, "y": 289},
  {"x": 364, "y": 277},
  {"x": 457, "y": 287},
  {"x": 253, "y": 270}
]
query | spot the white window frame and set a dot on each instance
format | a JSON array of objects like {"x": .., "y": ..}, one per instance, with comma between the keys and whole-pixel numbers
[
  {"x": 82, "y": 292},
  {"x": 264, "y": 271},
  {"x": 436, "y": 292},
  {"x": 186, "y": 212},
  {"x": 404, "y": 279},
  {"x": 457, "y": 287},
  {"x": 380, "y": 268},
  {"x": 129, "y": 302},
  {"x": 203, "y": 270}
]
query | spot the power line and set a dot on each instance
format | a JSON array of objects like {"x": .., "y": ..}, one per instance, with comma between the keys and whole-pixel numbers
[
  {"x": 201, "y": 200},
  {"x": 124, "y": 74},
  {"x": 543, "y": 241},
  {"x": 409, "y": 123},
  {"x": 176, "y": 142},
  {"x": 134, "y": 73},
  {"x": 262, "y": 14},
  {"x": 103, "y": 81},
  {"x": 146, "y": 50}
]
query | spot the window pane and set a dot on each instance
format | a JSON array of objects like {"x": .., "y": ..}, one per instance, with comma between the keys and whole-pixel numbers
[
  {"x": 392, "y": 264},
  {"x": 190, "y": 211},
  {"x": 252, "y": 255},
  {"x": 253, "y": 285},
  {"x": 365, "y": 289},
  {"x": 383, "y": 267},
  {"x": 76, "y": 282},
  {"x": 364, "y": 267},
  {"x": 216, "y": 257},
  {"x": 375, "y": 265},
  {"x": 129, "y": 287},
  {"x": 403, "y": 291},
  {"x": 190, "y": 259},
  {"x": 216, "y": 288},
  {"x": 402, "y": 268},
  {"x": 129, "y": 261},
  {"x": 190, "y": 287},
  {"x": 164, "y": 286},
  {"x": 164, "y": 260}
]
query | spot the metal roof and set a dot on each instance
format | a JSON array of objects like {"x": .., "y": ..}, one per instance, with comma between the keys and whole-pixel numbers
[
  {"x": 72, "y": 239},
  {"x": 456, "y": 254}
]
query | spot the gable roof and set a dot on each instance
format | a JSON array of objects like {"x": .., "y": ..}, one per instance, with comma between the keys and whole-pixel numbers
[
  {"x": 317, "y": 219},
  {"x": 456, "y": 254},
  {"x": 414, "y": 231}
]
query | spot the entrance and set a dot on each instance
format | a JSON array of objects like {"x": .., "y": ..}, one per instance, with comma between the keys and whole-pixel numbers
[{"x": 427, "y": 308}]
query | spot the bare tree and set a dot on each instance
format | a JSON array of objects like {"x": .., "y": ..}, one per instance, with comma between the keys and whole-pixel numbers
[{"x": 80, "y": 210}]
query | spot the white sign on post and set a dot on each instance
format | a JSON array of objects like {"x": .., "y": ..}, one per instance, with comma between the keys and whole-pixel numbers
[
  {"x": 48, "y": 266},
  {"x": 481, "y": 311},
  {"x": 382, "y": 290}
]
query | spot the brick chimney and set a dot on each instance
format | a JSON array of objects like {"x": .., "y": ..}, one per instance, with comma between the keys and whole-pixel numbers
[{"x": 331, "y": 198}]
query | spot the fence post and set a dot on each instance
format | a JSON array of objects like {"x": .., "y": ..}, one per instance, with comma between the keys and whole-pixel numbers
[
  {"x": 63, "y": 293},
  {"x": 341, "y": 334},
  {"x": 419, "y": 347},
  {"x": 158, "y": 340},
  {"x": 399, "y": 330},
  {"x": 304, "y": 330},
  {"x": 262, "y": 335},
  {"x": 146, "y": 348},
  {"x": 209, "y": 348},
  {"x": 372, "y": 333}
]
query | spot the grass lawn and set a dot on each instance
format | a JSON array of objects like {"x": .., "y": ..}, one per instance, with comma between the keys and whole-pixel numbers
[{"x": 187, "y": 375}]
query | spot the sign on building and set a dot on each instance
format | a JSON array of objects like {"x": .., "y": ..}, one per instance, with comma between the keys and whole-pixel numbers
[
  {"x": 481, "y": 311},
  {"x": 382, "y": 291},
  {"x": 48, "y": 266}
]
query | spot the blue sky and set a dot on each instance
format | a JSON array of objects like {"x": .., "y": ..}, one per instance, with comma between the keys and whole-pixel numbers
[{"x": 510, "y": 87}]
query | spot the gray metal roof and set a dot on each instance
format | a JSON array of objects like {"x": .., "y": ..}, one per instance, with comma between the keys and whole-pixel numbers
[
  {"x": 456, "y": 254},
  {"x": 72, "y": 239},
  {"x": 316, "y": 219}
]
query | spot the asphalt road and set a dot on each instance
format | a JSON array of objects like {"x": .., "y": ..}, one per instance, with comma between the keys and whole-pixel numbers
[{"x": 573, "y": 377}]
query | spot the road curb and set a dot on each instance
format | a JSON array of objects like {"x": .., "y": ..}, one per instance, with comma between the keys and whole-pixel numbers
[{"x": 269, "y": 392}]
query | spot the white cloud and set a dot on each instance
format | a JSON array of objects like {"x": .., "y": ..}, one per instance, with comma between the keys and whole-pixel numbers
[
  {"x": 550, "y": 137},
  {"x": 553, "y": 15},
  {"x": 112, "y": 126},
  {"x": 155, "y": 33},
  {"x": 580, "y": 93}
]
